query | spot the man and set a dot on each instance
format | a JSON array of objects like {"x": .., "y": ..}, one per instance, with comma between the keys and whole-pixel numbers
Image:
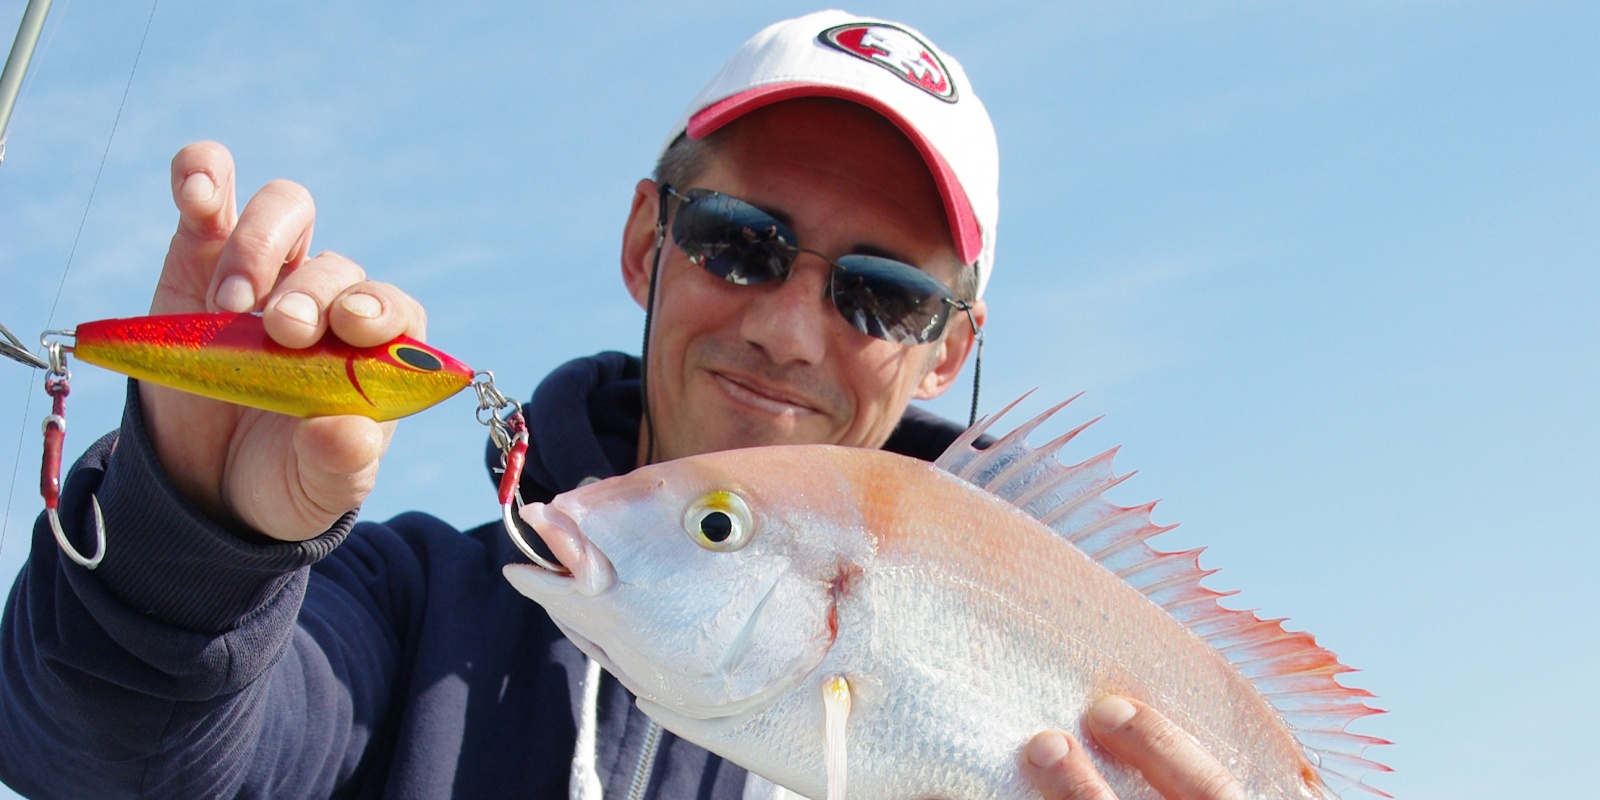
[{"x": 243, "y": 637}]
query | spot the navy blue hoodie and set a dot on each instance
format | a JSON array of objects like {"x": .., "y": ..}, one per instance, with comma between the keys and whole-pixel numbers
[{"x": 376, "y": 660}]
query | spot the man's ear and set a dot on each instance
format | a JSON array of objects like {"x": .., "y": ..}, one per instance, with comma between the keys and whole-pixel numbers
[
  {"x": 951, "y": 351},
  {"x": 639, "y": 241}
]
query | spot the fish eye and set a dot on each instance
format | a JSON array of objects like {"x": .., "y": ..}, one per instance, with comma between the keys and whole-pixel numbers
[{"x": 719, "y": 521}]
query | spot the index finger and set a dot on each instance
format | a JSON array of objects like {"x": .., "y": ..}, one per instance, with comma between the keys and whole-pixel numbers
[
  {"x": 272, "y": 235},
  {"x": 1168, "y": 757}
]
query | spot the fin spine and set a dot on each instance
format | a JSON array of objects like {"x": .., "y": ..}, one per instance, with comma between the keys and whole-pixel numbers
[{"x": 1293, "y": 673}]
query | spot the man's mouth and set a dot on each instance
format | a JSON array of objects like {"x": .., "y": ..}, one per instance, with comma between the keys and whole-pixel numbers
[{"x": 762, "y": 397}]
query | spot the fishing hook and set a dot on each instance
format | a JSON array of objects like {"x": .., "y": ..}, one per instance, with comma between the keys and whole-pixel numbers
[
  {"x": 57, "y": 385},
  {"x": 509, "y": 432}
]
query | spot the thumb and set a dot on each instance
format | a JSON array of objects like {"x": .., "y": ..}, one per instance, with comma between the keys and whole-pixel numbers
[
  {"x": 202, "y": 181},
  {"x": 329, "y": 471}
]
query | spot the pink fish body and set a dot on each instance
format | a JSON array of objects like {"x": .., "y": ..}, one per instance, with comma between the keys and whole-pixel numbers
[{"x": 967, "y": 606}]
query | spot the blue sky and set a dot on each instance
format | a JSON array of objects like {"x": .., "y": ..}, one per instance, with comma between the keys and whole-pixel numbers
[{"x": 1329, "y": 270}]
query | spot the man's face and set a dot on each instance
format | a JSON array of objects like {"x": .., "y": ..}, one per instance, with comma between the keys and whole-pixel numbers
[{"x": 775, "y": 363}]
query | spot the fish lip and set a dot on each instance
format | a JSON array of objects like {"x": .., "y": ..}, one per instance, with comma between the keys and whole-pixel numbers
[{"x": 591, "y": 572}]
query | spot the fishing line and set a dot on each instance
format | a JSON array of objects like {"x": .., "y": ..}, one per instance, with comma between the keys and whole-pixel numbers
[{"x": 27, "y": 405}]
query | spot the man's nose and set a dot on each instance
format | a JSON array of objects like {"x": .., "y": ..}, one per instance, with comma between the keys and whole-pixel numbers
[{"x": 790, "y": 321}]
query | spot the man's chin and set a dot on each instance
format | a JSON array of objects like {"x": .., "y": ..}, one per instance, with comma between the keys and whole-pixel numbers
[
  {"x": 748, "y": 435},
  {"x": 741, "y": 442}
]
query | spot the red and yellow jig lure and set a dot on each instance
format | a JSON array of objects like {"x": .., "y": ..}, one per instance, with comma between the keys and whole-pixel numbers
[{"x": 230, "y": 357}]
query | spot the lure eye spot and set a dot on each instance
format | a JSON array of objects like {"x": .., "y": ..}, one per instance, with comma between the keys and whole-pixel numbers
[
  {"x": 416, "y": 358},
  {"x": 719, "y": 521}
]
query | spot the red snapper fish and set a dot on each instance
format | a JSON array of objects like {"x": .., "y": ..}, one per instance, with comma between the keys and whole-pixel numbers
[{"x": 825, "y": 614}]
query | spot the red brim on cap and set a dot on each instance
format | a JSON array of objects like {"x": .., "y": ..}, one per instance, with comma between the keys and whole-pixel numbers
[{"x": 964, "y": 230}]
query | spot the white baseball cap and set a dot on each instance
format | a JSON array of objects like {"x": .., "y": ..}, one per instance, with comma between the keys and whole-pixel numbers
[{"x": 890, "y": 69}]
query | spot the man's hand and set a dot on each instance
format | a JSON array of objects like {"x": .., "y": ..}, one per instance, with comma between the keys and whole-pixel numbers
[
  {"x": 1175, "y": 764},
  {"x": 284, "y": 477}
]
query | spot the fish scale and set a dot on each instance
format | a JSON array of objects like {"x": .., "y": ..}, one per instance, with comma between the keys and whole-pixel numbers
[
  {"x": 962, "y": 623},
  {"x": 1089, "y": 656}
]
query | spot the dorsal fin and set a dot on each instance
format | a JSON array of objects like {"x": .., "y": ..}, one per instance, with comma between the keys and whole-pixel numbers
[{"x": 1296, "y": 675}]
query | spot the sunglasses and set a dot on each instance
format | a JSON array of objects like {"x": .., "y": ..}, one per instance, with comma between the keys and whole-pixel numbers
[{"x": 742, "y": 244}]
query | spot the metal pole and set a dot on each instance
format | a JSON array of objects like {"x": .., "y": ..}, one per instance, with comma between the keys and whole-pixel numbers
[{"x": 17, "y": 62}]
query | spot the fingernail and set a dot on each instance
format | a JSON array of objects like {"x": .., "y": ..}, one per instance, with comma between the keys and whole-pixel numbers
[
  {"x": 236, "y": 293},
  {"x": 299, "y": 307},
  {"x": 1111, "y": 713},
  {"x": 362, "y": 305},
  {"x": 197, "y": 188},
  {"x": 1047, "y": 749}
]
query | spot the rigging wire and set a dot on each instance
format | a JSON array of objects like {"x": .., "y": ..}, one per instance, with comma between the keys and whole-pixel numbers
[
  {"x": 5, "y": 521},
  {"x": 28, "y": 76}
]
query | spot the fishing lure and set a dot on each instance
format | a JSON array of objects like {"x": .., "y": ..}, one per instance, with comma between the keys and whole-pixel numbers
[{"x": 230, "y": 357}]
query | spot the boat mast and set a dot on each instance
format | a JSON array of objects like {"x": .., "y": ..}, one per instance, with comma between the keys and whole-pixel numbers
[{"x": 17, "y": 63}]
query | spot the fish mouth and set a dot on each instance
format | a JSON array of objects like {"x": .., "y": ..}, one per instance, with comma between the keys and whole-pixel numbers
[{"x": 588, "y": 571}]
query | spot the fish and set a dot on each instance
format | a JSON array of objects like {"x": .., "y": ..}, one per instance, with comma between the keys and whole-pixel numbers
[
  {"x": 850, "y": 620},
  {"x": 230, "y": 357}
]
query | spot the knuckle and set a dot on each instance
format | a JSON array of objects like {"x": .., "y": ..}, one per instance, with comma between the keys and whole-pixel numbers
[
  {"x": 1165, "y": 736},
  {"x": 253, "y": 247},
  {"x": 288, "y": 190},
  {"x": 350, "y": 268},
  {"x": 327, "y": 275},
  {"x": 1218, "y": 784}
]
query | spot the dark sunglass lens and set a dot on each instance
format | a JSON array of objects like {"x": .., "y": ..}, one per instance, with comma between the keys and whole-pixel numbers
[
  {"x": 732, "y": 239},
  {"x": 889, "y": 300}
]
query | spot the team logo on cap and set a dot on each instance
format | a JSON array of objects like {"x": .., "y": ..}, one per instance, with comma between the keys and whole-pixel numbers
[{"x": 896, "y": 50}]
